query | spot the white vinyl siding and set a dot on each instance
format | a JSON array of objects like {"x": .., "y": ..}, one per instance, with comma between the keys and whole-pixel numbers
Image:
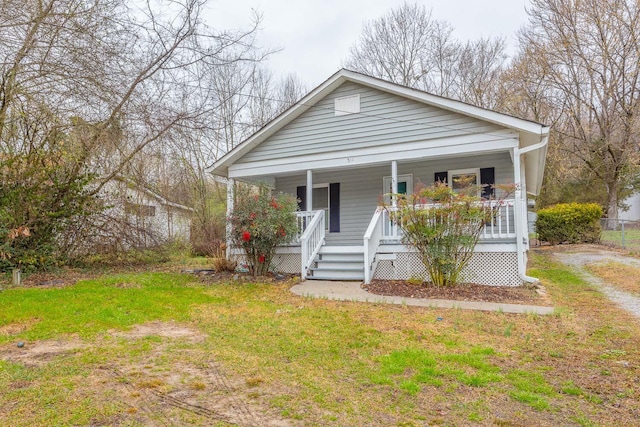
[
  {"x": 360, "y": 188},
  {"x": 384, "y": 120}
]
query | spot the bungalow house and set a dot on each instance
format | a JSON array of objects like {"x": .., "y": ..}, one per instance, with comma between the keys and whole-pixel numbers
[{"x": 354, "y": 139}]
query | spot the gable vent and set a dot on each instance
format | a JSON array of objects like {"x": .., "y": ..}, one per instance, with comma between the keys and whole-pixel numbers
[{"x": 347, "y": 105}]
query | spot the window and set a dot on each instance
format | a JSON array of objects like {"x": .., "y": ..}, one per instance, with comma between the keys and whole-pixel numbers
[
  {"x": 139, "y": 210},
  {"x": 463, "y": 179},
  {"x": 405, "y": 186}
]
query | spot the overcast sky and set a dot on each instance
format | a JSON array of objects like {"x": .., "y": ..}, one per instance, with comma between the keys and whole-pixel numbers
[{"x": 316, "y": 35}]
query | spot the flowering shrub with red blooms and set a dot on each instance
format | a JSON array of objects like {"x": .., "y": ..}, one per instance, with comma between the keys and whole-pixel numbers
[{"x": 260, "y": 222}]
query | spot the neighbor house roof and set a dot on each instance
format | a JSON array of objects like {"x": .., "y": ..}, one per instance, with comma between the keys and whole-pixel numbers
[{"x": 151, "y": 194}]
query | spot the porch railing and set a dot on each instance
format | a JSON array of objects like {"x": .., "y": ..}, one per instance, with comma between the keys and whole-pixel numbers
[
  {"x": 312, "y": 237},
  {"x": 303, "y": 219},
  {"x": 501, "y": 226},
  {"x": 503, "y": 223},
  {"x": 372, "y": 238}
]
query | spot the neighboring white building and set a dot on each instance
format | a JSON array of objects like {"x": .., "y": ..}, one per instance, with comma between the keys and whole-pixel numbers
[
  {"x": 353, "y": 139},
  {"x": 147, "y": 218},
  {"x": 633, "y": 213}
]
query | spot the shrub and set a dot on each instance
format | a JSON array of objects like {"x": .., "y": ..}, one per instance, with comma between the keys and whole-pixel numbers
[
  {"x": 220, "y": 262},
  {"x": 446, "y": 231},
  {"x": 570, "y": 223},
  {"x": 41, "y": 197},
  {"x": 129, "y": 258},
  {"x": 260, "y": 222},
  {"x": 208, "y": 223}
]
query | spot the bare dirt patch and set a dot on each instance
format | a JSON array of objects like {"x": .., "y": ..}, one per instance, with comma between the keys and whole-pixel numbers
[
  {"x": 462, "y": 292},
  {"x": 17, "y": 328},
  {"x": 190, "y": 388},
  {"x": 190, "y": 394},
  {"x": 174, "y": 382},
  {"x": 65, "y": 277},
  {"x": 39, "y": 353},
  {"x": 170, "y": 330}
]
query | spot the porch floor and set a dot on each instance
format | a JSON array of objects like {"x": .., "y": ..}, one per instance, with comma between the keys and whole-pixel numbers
[{"x": 351, "y": 291}]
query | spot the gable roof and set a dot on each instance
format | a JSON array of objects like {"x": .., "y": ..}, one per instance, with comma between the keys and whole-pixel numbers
[
  {"x": 530, "y": 132},
  {"x": 133, "y": 185}
]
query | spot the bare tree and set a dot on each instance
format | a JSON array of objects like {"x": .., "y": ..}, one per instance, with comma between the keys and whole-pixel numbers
[
  {"x": 400, "y": 46},
  {"x": 479, "y": 72},
  {"x": 584, "y": 60},
  {"x": 409, "y": 47},
  {"x": 244, "y": 102},
  {"x": 289, "y": 91},
  {"x": 88, "y": 86}
]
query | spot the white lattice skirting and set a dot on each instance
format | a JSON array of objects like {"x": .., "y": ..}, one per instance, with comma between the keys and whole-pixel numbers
[
  {"x": 487, "y": 268},
  {"x": 282, "y": 263},
  {"x": 287, "y": 263}
]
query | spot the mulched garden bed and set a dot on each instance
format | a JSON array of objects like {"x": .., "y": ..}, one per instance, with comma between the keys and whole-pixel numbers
[{"x": 462, "y": 292}]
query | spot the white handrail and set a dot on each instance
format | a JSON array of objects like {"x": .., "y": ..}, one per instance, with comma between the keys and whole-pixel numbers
[
  {"x": 372, "y": 239},
  {"x": 303, "y": 219},
  {"x": 311, "y": 240}
]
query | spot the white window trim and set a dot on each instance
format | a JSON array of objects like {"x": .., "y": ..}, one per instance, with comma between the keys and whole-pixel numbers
[
  {"x": 452, "y": 173},
  {"x": 386, "y": 183}
]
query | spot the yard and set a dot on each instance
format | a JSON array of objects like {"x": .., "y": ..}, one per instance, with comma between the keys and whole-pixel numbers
[
  {"x": 164, "y": 348},
  {"x": 614, "y": 238}
]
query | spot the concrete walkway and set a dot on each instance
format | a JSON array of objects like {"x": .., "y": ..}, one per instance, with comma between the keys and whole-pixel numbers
[{"x": 351, "y": 291}]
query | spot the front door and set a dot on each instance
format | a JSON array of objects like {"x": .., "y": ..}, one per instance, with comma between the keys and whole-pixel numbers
[
  {"x": 321, "y": 201},
  {"x": 325, "y": 197},
  {"x": 405, "y": 186}
]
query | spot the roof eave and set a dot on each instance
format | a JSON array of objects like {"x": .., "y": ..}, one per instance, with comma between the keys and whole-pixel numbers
[{"x": 221, "y": 167}]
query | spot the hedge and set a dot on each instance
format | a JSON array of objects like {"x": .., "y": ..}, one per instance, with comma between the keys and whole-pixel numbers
[{"x": 570, "y": 223}]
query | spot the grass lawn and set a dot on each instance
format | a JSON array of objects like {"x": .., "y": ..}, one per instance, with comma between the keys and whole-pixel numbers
[
  {"x": 631, "y": 238},
  {"x": 152, "y": 348}
]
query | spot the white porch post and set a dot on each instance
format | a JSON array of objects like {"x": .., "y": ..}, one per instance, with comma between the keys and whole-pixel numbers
[
  {"x": 230, "y": 198},
  {"x": 309, "y": 190},
  {"x": 394, "y": 183}
]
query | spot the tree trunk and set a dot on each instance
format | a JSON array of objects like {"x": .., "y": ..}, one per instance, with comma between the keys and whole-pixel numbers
[{"x": 612, "y": 211}]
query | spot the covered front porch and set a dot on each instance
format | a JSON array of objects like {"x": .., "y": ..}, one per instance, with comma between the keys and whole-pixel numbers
[
  {"x": 381, "y": 247},
  {"x": 344, "y": 233}
]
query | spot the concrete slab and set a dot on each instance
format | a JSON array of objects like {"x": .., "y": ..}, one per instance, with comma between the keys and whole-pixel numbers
[{"x": 352, "y": 291}]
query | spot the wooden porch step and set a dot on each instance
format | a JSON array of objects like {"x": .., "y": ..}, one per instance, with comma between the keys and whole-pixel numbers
[
  {"x": 345, "y": 268},
  {"x": 338, "y": 263}
]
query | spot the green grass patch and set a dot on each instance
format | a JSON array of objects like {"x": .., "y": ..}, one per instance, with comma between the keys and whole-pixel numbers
[
  {"x": 571, "y": 389},
  {"x": 614, "y": 237},
  {"x": 93, "y": 306},
  {"x": 409, "y": 369}
]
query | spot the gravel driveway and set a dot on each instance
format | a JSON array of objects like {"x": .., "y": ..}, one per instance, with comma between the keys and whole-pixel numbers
[{"x": 578, "y": 260}]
